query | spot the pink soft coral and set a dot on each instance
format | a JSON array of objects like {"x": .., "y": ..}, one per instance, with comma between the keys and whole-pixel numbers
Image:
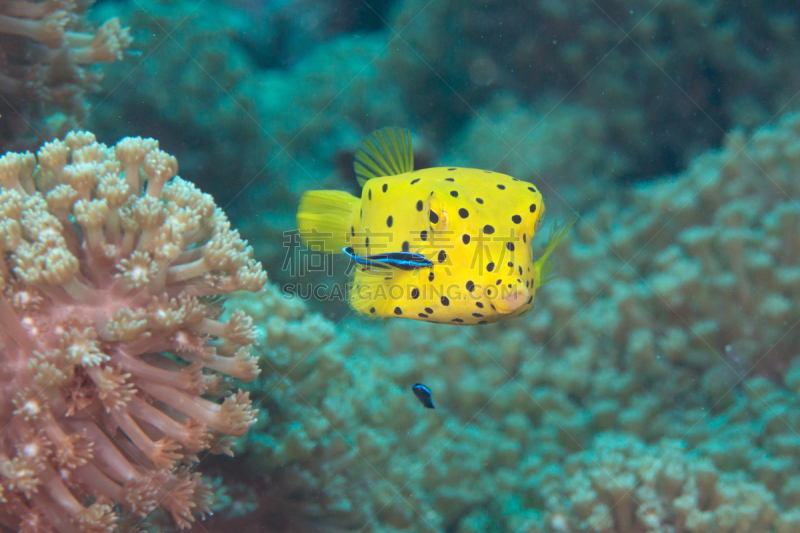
[
  {"x": 48, "y": 53},
  {"x": 109, "y": 348}
]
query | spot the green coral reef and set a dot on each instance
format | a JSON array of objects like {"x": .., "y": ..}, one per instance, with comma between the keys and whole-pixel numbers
[
  {"x": 579, "y": 97},
  {"x": 654, "y": 84},
  {"x": 655, "y": 387}
]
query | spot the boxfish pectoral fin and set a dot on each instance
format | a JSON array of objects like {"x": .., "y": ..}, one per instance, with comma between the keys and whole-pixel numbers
[
  {"x": 544, "y": 265},
  {"x": 371, "y": 294}
]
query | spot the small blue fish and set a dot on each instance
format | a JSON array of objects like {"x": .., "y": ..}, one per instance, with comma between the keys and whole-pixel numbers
[
  {"x": 401, "y": 260},
  {"x": 423, "y": 394}
]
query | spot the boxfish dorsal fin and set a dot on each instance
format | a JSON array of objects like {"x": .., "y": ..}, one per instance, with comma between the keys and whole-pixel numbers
[{"x": 386, "y": 152}]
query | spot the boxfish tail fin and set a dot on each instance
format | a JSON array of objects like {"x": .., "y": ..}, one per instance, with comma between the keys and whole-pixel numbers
[
  {"x": 385, "y": 152},
  {"x": 544, "y": 265},
  {"x": 326, "y": 217}
]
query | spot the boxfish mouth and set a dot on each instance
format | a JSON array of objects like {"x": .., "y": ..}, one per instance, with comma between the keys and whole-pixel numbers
[{"x": 512, "y": 301}]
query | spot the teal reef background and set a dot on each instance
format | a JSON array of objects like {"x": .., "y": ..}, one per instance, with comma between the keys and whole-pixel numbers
[
  {"x": 585, "y": 98},
  {"x": 655, "y": 387}
]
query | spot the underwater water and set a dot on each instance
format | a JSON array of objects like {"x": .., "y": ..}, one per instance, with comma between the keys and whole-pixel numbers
[{"x": 644, "y": 376}]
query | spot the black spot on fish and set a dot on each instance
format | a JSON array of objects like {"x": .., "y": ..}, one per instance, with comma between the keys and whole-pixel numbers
[
  {"x": 389, "y": 221},
  {"x": 479, "y": 200},
  {"x": 442, "y": 256},
  {"x": 488, "y": 229},
  {"x": 489, "y": 293},
  {"x": 419, "y": 205},
  {"x": 385, "y": 187},
  {"x": 530, "y": 299},
  {"x": 360, "y": 212},
  {"x": 415, "y": 293},
  {"x": 498, "y": 282},
  {"x": 454, "y": 194},
  {"x": 465, "y": 238},
  {"x": 492, "y": 306},
  {"x": 450, "y": 169},
  {"x": 445, "y": 301},
  {"x": 483, "y": 321},
  {"x": 371, "y": 309},
  {"x": 480, "y": 305},
  {"x": 398, "y": 311},
  {"x": 352, "y": 231},
  {"x": 366, "y": 242},
  {"x": 470, "y": 286},
  {"x": 457, "y": 320},
  {"x": 434, "y": 218},
  {"x": 510, "y": 264},
  {"x": 405, "y": 246},
  {"x": 477, "y": 315},
  {"x": 449, "y": 179},
  {"x": 516, "y": 219},
  {"x": 463, "y": 213},
  {"x": 430, "y": 276},
  {"x": 422, "y": 315},
  {"x": 423, "y": 394},
  {"x": 533, "y": 208},
  {"x": 509, "y": 285},
  {"x": 501, "y": 186},
  {"x": 423, "y": 235},
  {"x": 490, "y": 266},
  {"x": 520, "y": 270},
  {"x": 414, "y": 181},
  {"x": 510, "y": 246},
  {"x": 524, "y": 238},
  {"x": 429, "y": 310},
  {"x": 531, "y": 189},
  {"x": 369, "y": 194}
]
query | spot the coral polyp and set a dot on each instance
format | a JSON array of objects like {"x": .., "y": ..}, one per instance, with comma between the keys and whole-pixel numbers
[{"x": 111, "y": 348}]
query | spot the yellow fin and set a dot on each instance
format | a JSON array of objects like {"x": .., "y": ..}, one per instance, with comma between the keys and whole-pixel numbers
[
  {"x": 370, "y": 293},
  {"x": 386, "y": 152},
  {"x": 543, "y": 265},
  {"x": 326, "y": 216}
]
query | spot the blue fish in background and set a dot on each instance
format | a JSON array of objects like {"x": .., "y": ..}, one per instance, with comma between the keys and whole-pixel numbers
[{"x": 423, "y": 394}]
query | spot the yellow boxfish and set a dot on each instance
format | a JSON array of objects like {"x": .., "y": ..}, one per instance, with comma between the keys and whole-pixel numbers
[{"x": 448, "y": 245}]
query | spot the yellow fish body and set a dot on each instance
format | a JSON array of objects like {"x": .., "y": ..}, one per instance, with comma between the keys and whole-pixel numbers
[{"x": 474, "y": 228}]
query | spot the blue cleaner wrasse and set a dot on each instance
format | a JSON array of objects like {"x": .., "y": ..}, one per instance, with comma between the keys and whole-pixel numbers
[
  {"x": 401, "y": 260},
  {"x": 448, "y": 245}
]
